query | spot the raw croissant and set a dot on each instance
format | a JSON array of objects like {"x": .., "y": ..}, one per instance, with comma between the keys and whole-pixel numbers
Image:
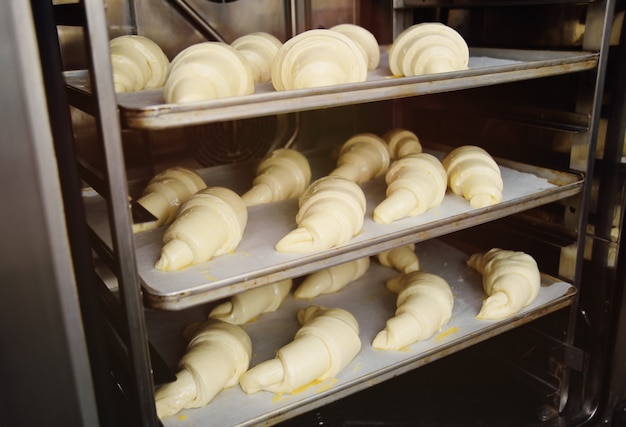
[
  {"x": 415, "y": 183},
  {"x": 215, "y": 359},
  {"x": 248, "y": 305},
  {"x": 402, "y": 142},
  {"x": 331, "y": 211},
  {"x": 402, "y": 258},
  {"x": 365, "y": 40},
  {"x": 259, "y": 49},
  {"x": 316, "y": 58},
  {"x": 325, "y": 343},
  {"x": 137, "y": 63},
  {"x": 205, "y": 71},
  {"x": 282, "y": 175},
  {"x": 511, "y": 280},
  {"x": 164, "y": 194},
  {"x": 424, "y": 305},
  {"x": 208, "y": 224},
  {"x": 428, "y": 47},
  {"x": 362, "y": 157},
  {"x": 473, "y": 174},
  {"x": 332, "y": 279}
]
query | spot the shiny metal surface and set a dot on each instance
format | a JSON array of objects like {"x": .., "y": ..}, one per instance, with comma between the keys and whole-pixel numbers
[
  {"x": 108, "y": 126},
  {"x": 371, "y": 304},
  {"x": 255, "y": 262},
  {"x": 43, "y": 350},
  {"x": 151, "y": 113},
  {"x": 147, "y": 110}
]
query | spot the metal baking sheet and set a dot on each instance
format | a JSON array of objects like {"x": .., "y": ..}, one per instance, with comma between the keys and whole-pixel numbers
[
  {"x": 371, "y": 304},
  {"x": 255, "y": 261},
  {"x": 148, "y": 110}
]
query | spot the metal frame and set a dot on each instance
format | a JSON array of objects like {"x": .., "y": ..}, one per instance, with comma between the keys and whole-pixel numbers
[
  {"x": 43, "y": 348},
  {"x": 53, "y": 257}
]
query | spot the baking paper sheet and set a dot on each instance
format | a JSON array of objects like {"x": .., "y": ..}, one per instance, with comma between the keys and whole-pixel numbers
[
  {"x": 369, "y": 301},
  {"x": 255, "y": 259}
]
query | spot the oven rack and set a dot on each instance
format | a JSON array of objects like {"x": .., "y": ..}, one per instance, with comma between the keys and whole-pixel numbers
[
  {"x": 255, "y": 261},
  {"x": 371, "y": 304},
  {"x": 487, "y": 66}
]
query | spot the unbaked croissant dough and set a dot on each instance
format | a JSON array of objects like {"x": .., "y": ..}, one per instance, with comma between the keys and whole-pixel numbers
[
  {"x": 428, "y": 47},
  {"x": 216, "y": 357},
  {"x": 365, "y": 40},
  {"x": 402, "y": 142},
  {"x": 259, "y": 49},
  {"x": 403, "y": 258},
  {"x": 316, "y": 58},
  {"x": 424, "y": 305},
  {"x": 285, "y": 173},
  {"x": 332, "y": 279},
  {"x": 164, "y": 194},
  {"x": 362, "y": 158},
  {"x": 248, "y": 305},
  {"x": 208, "y": 224},
  {"x": 474, "y": 174},
  {"x": 331, "y": 211},
  {"x": 511, "y": 280},
  {"x": 326, "y": 343},
  {"x": 137, "y": 63},
  {"x": 208, "y": 70},
  {"x": 415, "y": 184}
]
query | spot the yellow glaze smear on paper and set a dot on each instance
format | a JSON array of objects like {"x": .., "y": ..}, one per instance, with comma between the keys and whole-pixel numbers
[
  {"x": 321, "y": 387},
  {"x": 447, "y": 333},
  {"x": 182, "y": 417}
]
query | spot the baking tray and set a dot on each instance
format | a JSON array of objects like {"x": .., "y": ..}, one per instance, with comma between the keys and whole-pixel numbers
[
  {"x": 255, "y": 261},
  {"x": 371, "y": 304},
  {"x": 487, "y": 66}
]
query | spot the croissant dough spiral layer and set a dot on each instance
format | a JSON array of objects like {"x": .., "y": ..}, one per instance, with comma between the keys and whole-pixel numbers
[
  {"x": 362, "y": 157},
  {"x": 327, "y": 342},
  {"x": 208, "y": 70},
  {"x": 415, "y": 184},
  {"x": 402, "y": 258},
  {"x": 137, "y": 63},
  {"x": 365, "y": 40},
  {"x": 474, "y": 175},
  {"x": 285, "y": 173},
  {"x": 259, "y": 49},
  {"x": 216, "y": 357},
  {"x": 316, "y": 58},
  {"x": 208, "y": 224},
  {"x": 426, "y": 48},
  {"x": 331, "y": 211},
  {"x": 248, "y": 305},
  {"x": 402, "y": 142},
  {"x": 164, "y": 194},
  {"x": 332, "y": 279},
  {"x": 424, "y": 305},
  {"x": 511, "y": 280}
]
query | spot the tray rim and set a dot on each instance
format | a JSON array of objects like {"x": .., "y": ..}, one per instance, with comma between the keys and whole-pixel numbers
[{"x": 139, "y": 110}]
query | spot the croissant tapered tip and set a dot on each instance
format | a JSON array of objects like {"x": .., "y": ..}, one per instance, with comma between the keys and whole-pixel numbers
[
  {"x": 309, "y": 290},
  {"x": 381, "y": 341},
  {"x": 222, "y": 311},
  {"x": 175, "y": 255},
  {"x": 264, "y": 376},
  {"x": 299, "y": 240},
  {"x": 172, "y": 397},
  {"x": 484, "y": 200},
  {"x": 396, "y": 205},
  {"x": 495, "y": 307},
  {"x": 257, "y": 195}
]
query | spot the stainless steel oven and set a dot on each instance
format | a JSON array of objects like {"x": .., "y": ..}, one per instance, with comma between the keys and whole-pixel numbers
[{"x": 91, "y": 329}]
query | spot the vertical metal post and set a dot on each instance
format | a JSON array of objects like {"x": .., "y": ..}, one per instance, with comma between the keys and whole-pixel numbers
[
  {"x": 109, "y": 130},
  {"x": 43, "y": 355}
]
